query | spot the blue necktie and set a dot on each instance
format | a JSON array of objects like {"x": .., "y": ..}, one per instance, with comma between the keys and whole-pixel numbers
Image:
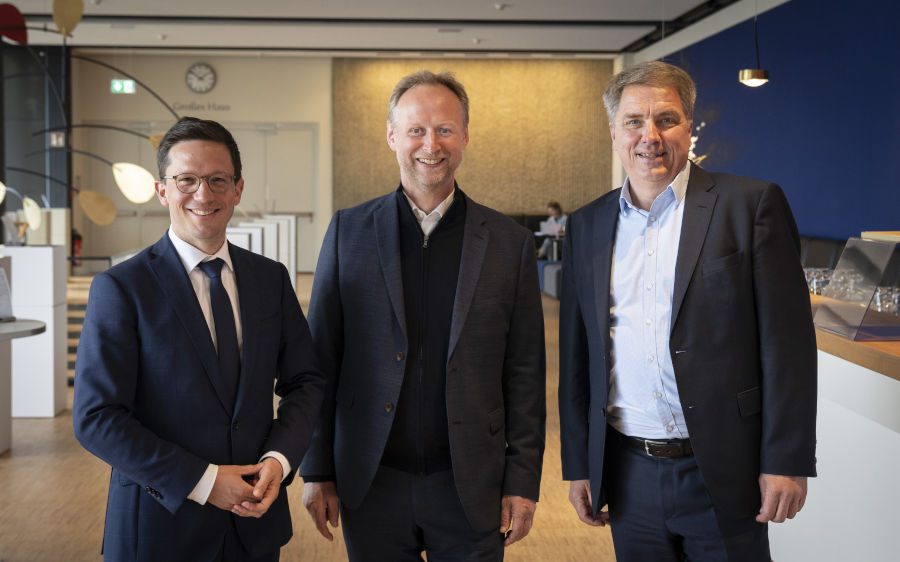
[{"x": 226, "y": 333}]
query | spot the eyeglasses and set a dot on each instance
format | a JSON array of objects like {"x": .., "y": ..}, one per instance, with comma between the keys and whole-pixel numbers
[{"x": 189, "y": 183}]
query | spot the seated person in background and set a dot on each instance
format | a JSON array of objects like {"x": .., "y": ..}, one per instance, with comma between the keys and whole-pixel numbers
[{"x": 556, "y": 217}]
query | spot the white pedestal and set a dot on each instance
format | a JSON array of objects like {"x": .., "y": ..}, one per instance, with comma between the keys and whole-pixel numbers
[
  {"x": 8, "y": 331},
  {"x": 5, "y": 397},
  {"x": 270, "y": 236},
  {"x": 287, "y": 230},
  {"x": 39, "y": 363}
]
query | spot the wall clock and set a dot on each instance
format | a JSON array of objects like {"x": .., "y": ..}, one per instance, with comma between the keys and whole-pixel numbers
[{"x": 200, "y": 77}]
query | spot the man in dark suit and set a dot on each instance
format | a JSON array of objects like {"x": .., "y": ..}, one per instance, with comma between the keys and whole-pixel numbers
[
  {"x": 687, "y": 392},
  {"x": 180, "y": 350},
  {"x": 427, "y": 316}
]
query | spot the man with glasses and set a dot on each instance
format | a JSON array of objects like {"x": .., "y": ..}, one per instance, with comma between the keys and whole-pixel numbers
[{"x": 181, "y": 347}]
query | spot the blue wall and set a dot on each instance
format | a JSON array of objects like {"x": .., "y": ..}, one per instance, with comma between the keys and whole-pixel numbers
[{"x": 827, "y": 125}]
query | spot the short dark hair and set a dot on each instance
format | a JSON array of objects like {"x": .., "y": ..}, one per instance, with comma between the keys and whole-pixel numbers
[
  {"x": 192, "y": 128},
  {"x": 554, "y": 205},
  {"x": 651, "y": 73},
  {"x": 428, "y": 78}
]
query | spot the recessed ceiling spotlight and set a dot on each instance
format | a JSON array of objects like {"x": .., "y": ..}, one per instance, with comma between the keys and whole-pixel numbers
[{"x": 499, "y": 6}]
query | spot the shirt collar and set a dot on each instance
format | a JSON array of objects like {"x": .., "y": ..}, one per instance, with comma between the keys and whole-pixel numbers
[
  {"x": 190, "y": 256},
  {"x": 678, "y": 188},
  {"x": 440, "y": 209}
]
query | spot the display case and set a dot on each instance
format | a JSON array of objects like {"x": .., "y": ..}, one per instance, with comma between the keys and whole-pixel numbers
[{"x": 861, "y": 300}]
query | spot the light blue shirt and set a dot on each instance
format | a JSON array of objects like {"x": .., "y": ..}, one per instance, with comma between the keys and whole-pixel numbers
[{"x": 643, "y": 396}]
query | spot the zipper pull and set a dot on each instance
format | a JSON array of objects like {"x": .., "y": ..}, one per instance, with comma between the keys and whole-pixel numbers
[{"x": 425, "y": 243}]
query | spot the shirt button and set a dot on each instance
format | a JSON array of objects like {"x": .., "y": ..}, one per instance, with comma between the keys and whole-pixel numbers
[
  {"x": 399, "y": 356},
  {"x": 652, "y": 219},
  {"x": 649, "y": 286},
  {"x": 649, "y": 358},
  {"x": 669, "y": 428},
  {"x": 657, "y": 394},
  {"x": 648, "y": 321},
  {"x": 388, "y": 407},
  {"x": 649, "y": 252}
]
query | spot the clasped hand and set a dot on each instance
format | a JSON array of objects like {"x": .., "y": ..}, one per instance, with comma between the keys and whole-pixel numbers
[{"x": 247, "y": 490}]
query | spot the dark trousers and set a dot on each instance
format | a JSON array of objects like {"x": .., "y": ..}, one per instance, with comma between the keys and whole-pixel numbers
[
  {"x": 233, "y": 550},
  {"x": 660, "y": 510},
  {"x": 405, "y": 514}
]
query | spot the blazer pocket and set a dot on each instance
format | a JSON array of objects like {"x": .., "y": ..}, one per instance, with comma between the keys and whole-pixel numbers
[
  {"x": 720, "y": 264},
  {"x": 750, "y": 402},
  {"x": 496, "y": 420}
]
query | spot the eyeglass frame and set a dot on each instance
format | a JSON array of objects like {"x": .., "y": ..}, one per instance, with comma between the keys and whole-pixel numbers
[{"x": 200, "y": 179}]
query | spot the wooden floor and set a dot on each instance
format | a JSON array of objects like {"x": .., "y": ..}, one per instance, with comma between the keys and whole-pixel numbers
[{"x": 53, "y": 493}]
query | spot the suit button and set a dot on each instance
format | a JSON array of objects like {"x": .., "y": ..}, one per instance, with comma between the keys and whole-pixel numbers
[
  {"x": 400, "y": 355},
  {"x": 235, "y": 426},
  {"x": 388, "y": 407}
]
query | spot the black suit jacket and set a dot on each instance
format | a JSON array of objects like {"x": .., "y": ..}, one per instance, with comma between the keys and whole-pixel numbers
[
  {"x": 147, "y": 401},
  {"x": 495, "y": 388},
  {"x": 742, "y": 341}
]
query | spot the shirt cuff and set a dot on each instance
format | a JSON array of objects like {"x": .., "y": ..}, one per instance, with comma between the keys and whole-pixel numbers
[
  {"x": 285, "y": 465},
  {"x": 201, "y": 491}
]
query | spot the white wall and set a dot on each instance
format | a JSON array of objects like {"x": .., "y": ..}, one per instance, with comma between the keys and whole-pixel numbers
[{"x": 277, "y": 106}]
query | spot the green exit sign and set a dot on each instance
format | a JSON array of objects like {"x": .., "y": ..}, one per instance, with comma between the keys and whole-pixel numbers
[{"x": 118, "y": 86}]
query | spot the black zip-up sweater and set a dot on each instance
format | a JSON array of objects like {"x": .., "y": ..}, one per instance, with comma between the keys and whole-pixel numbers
[{"x": 419, "y": 442}]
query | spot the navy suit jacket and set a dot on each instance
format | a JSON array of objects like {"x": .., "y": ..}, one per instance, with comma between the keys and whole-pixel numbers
[
  {"x": 148, "y": 402},
  {"x": 741, "y": 338},
  {"x": 495, "y": 393}
]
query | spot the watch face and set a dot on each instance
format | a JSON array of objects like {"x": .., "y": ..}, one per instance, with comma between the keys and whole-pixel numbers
[{"x": 200, "y": 78}]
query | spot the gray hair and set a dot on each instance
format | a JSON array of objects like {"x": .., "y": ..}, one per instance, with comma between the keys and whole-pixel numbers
[
  {"x": 651, "y": 73},
  {"x": 428, "y": 78}
]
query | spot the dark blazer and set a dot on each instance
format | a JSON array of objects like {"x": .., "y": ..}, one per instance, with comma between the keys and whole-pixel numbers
[
  {"x": 495, "y": 389},
  {"x": 147, "y": 401},
  {"x": 741, "y": 338}
]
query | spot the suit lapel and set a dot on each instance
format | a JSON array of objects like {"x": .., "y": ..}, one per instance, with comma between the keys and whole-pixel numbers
[
  {"x": 603, "y": 230},
  {"x": 174, "y": 283},
  {"x": 699, "y": 202},
  {"x": 248, "y": 296},
  {"x": 475, "y": 240},
  {"x": 387, "y": 237}
]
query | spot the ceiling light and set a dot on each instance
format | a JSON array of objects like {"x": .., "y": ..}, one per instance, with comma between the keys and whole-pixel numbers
[
  {"x": 754, "y": 77},
  {"x": 32, "y": 212},
  {"x": 135, "y": 182}
]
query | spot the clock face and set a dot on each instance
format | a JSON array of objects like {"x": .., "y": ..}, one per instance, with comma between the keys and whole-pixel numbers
[{"x": 200, "y": 78}]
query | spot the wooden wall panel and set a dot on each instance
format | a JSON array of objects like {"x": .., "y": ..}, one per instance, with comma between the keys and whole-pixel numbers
[{"x": 537, "y": 130}]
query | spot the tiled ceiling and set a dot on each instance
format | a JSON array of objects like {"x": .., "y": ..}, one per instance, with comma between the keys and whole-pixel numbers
[{"x": 598, "y": 27}]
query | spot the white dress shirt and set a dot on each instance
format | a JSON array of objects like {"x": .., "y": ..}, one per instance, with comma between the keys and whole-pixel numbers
[
  {"x": 643, "y": 395},
  {"x": 429, "y": 221},
  {"x": 190, "y": 258}
]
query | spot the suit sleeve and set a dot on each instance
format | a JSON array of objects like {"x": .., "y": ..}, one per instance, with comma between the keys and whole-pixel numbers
[
  {"x": 106, "y": 375},
  {"x": 787, "y": 341},
  {"x": 574, "y": 380},
  {"x": 524, "y": 383},
  {"x": 300, "y": 383},
  {"x": 326, "y": 323}
]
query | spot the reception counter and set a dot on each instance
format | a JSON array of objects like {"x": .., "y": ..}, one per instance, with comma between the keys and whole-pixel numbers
[{"x": 851, "y": 509}]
